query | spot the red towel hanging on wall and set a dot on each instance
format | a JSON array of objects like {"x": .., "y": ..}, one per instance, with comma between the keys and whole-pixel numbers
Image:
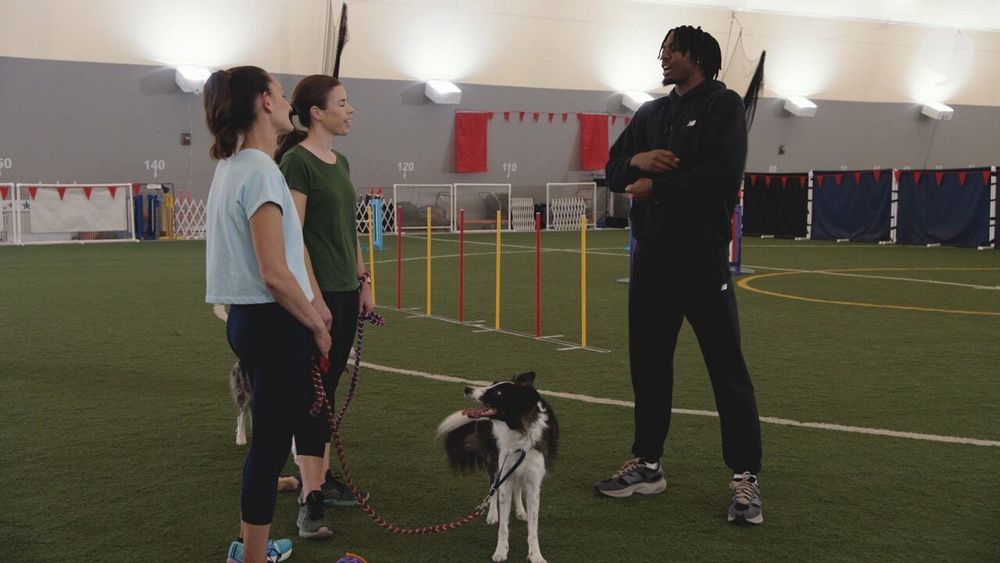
[
  {"x": 470, "y": 141},
  {"x": 593, "y": 140}
]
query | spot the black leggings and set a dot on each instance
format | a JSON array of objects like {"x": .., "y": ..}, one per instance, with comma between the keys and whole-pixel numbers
[
  {"x": 313, "y": 433},
  {"x": 276, "y": 350}
]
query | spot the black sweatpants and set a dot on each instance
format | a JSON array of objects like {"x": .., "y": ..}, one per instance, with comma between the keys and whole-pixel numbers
[
  {"x": 666, "y": 286},
  {"x": 276, "y": 350},
  {"x": 313, "y": 433}
]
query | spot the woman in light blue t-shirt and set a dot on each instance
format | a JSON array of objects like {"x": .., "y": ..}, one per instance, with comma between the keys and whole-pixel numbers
[{"x": 256, "y": 264}]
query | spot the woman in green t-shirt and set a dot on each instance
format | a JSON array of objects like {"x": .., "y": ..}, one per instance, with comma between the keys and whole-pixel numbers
[{"x": 320, "y": 181}]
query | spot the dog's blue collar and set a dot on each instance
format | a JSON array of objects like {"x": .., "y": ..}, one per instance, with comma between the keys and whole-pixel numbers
[{"x": 501, "y": 476}]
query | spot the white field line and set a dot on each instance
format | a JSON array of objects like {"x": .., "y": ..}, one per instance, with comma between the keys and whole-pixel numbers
[
  {"x": 530, "y": 249},
  {"x": 479, "y": 326},
  {"x": 520, "y": 246},
  {"x": 693, "y": 412},
  {"x": 872, "y": 277},
  {"x": 866, "y": 245},
  {"x": 220, "y": 312}
]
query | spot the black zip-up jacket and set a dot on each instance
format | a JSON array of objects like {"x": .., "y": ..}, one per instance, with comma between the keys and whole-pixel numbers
[{"x": 692, "y": 206}]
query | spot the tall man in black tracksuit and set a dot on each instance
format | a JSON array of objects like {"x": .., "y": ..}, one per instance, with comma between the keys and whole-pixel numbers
[{"x": 681, "y": 160}]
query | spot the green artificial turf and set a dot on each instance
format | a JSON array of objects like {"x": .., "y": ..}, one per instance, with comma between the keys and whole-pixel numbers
[{"x": 117, "y": 431}]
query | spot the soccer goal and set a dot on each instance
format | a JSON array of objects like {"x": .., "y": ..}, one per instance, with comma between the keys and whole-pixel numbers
[
  {"x": 565, "y": 202},
  {"x": 62, "y": 213},
  {"x": 481, "y": 203},
  {"x": 413, "y": 200}
]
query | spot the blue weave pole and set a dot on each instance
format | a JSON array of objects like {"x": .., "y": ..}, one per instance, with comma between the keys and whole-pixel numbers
[{"x": 377, "y": 228}]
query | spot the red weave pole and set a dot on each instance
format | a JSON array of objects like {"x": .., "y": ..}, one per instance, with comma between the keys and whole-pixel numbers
[
  {"x": 538, "y": 275},
  {"x": 461, "y": 262},
  {"x": 399, "y": 258}
]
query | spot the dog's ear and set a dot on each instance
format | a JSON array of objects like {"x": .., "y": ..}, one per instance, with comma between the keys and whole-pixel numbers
[{"x": 526, "y": 379}]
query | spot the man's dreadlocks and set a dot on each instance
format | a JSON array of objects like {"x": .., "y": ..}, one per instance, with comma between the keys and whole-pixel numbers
[
  {"x": 707, "y": 55},
  {"x": 704, "y": 49}
]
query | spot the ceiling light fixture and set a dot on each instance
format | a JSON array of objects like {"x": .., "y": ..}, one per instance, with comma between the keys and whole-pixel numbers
[
  {"x": 937, "y": 110},
  {"x": 634, "y": 99},
  {"x": 800, "y": 106},
  {"x": 443, "y": 92}
]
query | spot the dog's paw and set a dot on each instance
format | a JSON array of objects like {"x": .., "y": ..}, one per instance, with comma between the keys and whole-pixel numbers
[
  {"x": 536, "y": 558},
  {"x": 500, "y": 554}
]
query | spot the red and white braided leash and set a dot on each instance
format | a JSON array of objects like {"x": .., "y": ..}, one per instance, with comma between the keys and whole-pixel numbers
[{"x": 321, "y": 404}]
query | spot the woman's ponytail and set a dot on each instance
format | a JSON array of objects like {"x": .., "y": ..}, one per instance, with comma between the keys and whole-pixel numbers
[{"x": 230, "y": 105}]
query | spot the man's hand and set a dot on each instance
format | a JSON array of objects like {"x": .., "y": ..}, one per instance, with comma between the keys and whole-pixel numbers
[
  {"x": 656, "y": 160},
  {"x": 641, "y": 190}
]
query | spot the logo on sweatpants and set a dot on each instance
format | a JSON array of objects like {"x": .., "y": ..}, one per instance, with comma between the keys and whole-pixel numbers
[
  {"x": 692, "y": 122},
  {"x": 725, "y": 286}
]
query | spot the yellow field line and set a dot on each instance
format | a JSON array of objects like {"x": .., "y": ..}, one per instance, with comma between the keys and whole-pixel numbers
[{"x": 745, "y": 284}]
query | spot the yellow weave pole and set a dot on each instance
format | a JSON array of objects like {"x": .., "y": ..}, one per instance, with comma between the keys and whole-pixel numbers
[
  {"x": 583, "y": 281},
  {"x": 371, "y": 249},
  {"x": 496, "y": 310},
  {"x": 428, "y": 261},
  {"x": 168, "y": 212}
]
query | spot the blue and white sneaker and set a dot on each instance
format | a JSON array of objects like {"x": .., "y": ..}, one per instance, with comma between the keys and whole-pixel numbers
[
  {"x": 277, "y": 550},
  {"x": 744, "y": 503},
  {"x": 634, "y": 477}
]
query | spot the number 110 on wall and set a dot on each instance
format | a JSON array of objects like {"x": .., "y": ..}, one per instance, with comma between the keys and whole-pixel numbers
[{"x": 509, "y": 168}]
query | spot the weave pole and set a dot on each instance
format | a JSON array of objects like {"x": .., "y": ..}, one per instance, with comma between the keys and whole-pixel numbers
[
  {"x": 461, "y": 262},
  {"x": 399, "y": 259},
  {"x": 428, "y": 261},
  {"x": 538, "y": 275},
  {"x": 168, "y": 213},
  {"x": 371, "y": 249},
  {"x": 583, "y": 281},
  {"x": 496, "y": 312}
]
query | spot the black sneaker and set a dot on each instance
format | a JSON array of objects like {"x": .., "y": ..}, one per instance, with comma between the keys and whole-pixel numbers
[
  {"x": 312, "y": 517},
  {"x": 337, "y": 493},
  {"x": 744, "y": 503},
  {"x": 633, "y": 477}
]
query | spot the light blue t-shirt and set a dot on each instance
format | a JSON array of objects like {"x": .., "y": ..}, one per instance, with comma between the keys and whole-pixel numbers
[{"x": 243, "y": 183}]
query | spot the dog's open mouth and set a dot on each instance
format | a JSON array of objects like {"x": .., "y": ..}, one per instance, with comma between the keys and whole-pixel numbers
[{"x": 479, "y": 412}]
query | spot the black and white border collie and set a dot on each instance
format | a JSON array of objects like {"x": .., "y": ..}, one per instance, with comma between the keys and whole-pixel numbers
[{"x": 513, "y": 419}]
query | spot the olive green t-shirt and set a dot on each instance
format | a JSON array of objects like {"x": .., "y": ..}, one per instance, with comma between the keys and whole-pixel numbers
[{"x": 330, "y": 226}]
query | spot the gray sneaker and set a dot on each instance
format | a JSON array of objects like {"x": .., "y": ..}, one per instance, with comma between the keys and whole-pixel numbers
[
  {"x": 633, "y": 477},
  {"x": 337, "y": 493},
  {"x": 312, "y": 518},
  {"x": 745, "y": 504}
]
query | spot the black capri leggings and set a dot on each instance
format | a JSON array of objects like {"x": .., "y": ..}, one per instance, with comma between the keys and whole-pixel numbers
[
  {"x": 313, "y": 433},
  {"x": 276, "y": 350}
]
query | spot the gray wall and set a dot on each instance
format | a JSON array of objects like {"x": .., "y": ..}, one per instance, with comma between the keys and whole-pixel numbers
[{"x": 92, "y": 122}]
